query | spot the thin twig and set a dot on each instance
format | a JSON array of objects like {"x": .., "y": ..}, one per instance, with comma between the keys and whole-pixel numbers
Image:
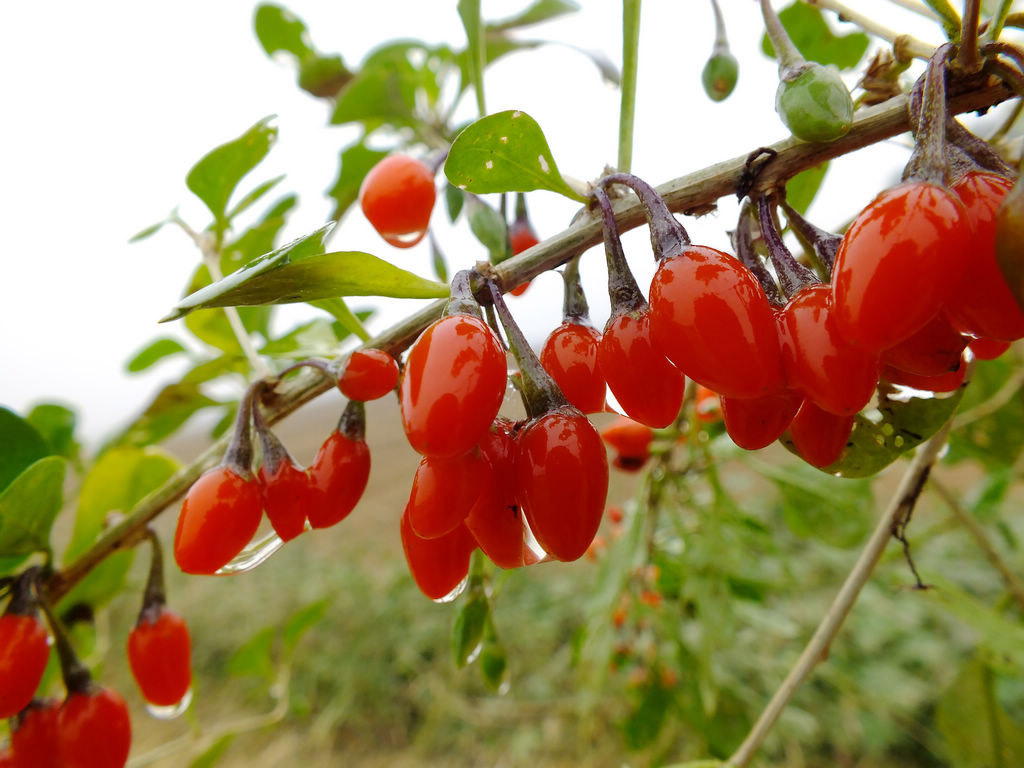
[
  {"x": 967, "y": 520},
  {"x": 899, "y": 507},
  {"x": 690, "y": 192},
  {"x": 908, "y": 45},
  {"x": 627, "y": 106}
]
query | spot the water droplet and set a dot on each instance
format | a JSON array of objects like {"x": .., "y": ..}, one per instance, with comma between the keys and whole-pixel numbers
[
  {"x": 407, "y": 240},
  {"x": 451, "y": 596},
  {"x": 252, "y": 555},
  {"x": 173, "y": 711},
  {"x": 544, "y": 164},
  {"x": 532, "y": 547}
]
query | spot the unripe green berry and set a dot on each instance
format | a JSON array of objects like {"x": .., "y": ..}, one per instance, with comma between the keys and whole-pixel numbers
[
  {"x": 720, "y": 74},
  {"x": 814, "y": 103}
]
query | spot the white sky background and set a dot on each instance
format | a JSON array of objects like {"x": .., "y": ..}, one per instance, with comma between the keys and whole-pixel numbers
[{"x": 105, "y": 107}]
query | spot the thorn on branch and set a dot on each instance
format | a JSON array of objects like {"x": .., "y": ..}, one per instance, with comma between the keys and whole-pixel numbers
[
  {"x": 756, "y": 162},
  {"x": 902, "y": 519}
]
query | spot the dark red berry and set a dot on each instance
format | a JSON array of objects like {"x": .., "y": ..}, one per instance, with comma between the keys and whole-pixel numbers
[
  {"x": 369, "y": 374},
  {"x": 631, "y": 442},
  {"x": 946, "y": 382},
  {"x": 93, "y": 730},
  {"x": 496, "y": 520},
  {"x": 758, "y": 422},
  {"x": 397, "y": 197},
  {"x": 24, "y": 651},
  {"x": 989, "y": 349},
  {"x": 159, "y": 653},
  {"x": 819, "y": 436},
  {"x": 339, "y": 474},
  {"x": 570, "y": 354},
  {"x": 437, "y": 565},
  {"x": 219, "y": 516},
  {"x": 288, "y": 492},
  {"x": 932, "y": 351},
  {"x": 452, "y": 386},
  {"x": 562, "y": 472},
  {"x": 34, "y": 736},
  {"x": 444, "y": 490}
]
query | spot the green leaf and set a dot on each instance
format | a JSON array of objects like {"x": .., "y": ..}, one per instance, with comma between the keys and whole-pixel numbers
[
  {"x": 118, "y": 481},
  {"x": 815, "y": 39},
  {"x": 21, "y": 446},
  {"x": 1002, "y": 639},
  {"x": 149, "y": 231},
  {"x": 802, "y": 188},
  {"x": 212, "y": 756},
  {"x": 541, "y": 10},
  {"x": 29, "y": 505},
  {"x": 386, "y": 89},
  {"x": 645, "y": 722},
  {"x": 488, "y": 226},
  {"x": 311, "y": 339},
  {"x": 505, "y": 152},
  {"x": 349, "y": 322},
  {"x": 153, "y": 352},
  {"x": 278, "y": 29},
  {"x": 170, "y": 409},
  {"x": 253, "y": 658},
  {"x": 977, "y": 731},
  {"x": 493, "y": 659},
  {"x": 56, "y": 424},
  {"x": 882, "y": 435},
  {"x": 469, "y": 13},
  {"x": 454, "y": 198},
  {"x": 301, "y": 622},
  {"x": 323, "y": 76},
  {"x": 301, "y": 271},
  {"x": 468, "y": 629},
  {"x": 438, "y": 261},
  {"x": 253, "y": 196},
  {"x": 214, "y": 178},
  {"x": 354, "y": 163}
]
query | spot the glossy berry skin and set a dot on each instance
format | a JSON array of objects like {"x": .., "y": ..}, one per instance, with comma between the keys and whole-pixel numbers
[
  {"x": 569, "y": 354},
  {"x": 900, "y": 261},
  {"x": 818, "y": 361},
  {"x": 34, "y": 736},
  {"x": 631, "y": 442},
  {"x": 219, "y": 516},
  {"x": 947, "y": 382},
  {"x": 562, "y": 474},
  {"x": 397, "y": 197},
  {"x": 931, "y": 351},
  {"x": 758, "y": 422},
  {"x": 24, "y": 651},
  {"x": 710, "y": 317},
  {"x": 94, "y": 730},
  {"x": 369, "y": 375},
  {"x": 452, "y": 386},
  {"x": 444, "y": 490},
  {"x": 7, "y": 758},
  {"x": 983, "y": 304},
  {"x": 988, "y": 349},
  {"x": 647, "y": 386},
  {"x": 495, "y": 520},
  {"x": 339, "y": 474},
  {"x": 439, "y": 565},
  {"x": 288, "y": 492},
  {"x": 160, "y": 656},
  {"x": 819, "y": 436}
]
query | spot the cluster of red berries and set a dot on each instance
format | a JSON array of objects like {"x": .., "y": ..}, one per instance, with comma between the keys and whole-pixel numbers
[
  {"x": 91, "y": 727},
  {"x": 223, "y": 508},
  {"x": 483, "y": 480}
]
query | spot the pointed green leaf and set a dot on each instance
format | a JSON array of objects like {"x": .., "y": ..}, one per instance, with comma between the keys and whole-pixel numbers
[
  {"x": 493, "y": 659},
  {"x": 469, "y": 13},
  {"x": 254, "y": 656},
  {"x": 118, "y": 481},
  {"x": 20, "y": 445},
  {"x": 350, "y": 322},
  {"x": 28, "y": 506},
  {"x": 323, "y": 76},
  {"x": 815, "y": 39},
  {"x": 153, "y": 352},
  {"x": 468, "y": 630},
  {"x": 438, "y": 261},
  {"x": 802, "y": 188},
  {"x": 312, "y": 339},
  {"x": 253, "y": 196},
  {"x": 489, "y": 228},
  {"x": 882, "y": 435},
  {"x": 541, "y": 10},
  {"x": 301, "y": 271},
  {"x": 505, "y": 152},
  {"x": 56, "y": 424},
  {"x": 278, "y": 29},
  {"x": 214, "y": 178},
  {"x": 454, "y": 199},
  {"x": 353, "y": 165},
  {"x": 1002, "y": 638},
  {"x": 149, "y": 231}
]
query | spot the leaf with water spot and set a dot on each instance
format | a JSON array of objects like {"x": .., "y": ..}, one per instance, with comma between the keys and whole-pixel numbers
[
  {"x": 882, "y": 435},
  {"x": 505, "y": 152}
]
